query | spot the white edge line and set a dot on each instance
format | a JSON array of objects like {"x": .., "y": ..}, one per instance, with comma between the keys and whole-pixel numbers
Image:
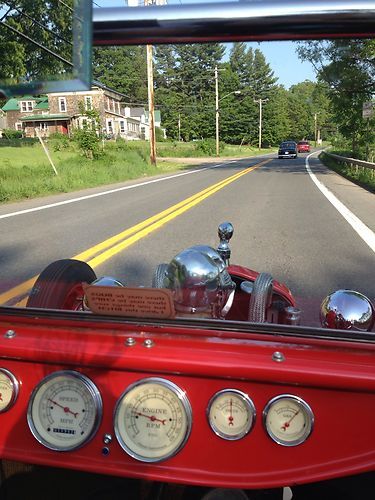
[
  {"x": 104, "y": 193},
  {"x": 359, "y": 227}
]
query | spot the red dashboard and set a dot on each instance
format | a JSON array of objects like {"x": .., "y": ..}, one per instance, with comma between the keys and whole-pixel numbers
[{"x": 335, "y": 379}]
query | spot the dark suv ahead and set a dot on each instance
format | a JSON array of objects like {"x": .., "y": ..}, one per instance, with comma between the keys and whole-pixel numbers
[{"x": 288, "y": 149}]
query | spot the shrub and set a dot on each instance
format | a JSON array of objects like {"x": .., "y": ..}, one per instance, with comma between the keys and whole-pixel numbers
[
  {"x": 159, "y": 134},
  {"x": 59, "y": 141},
  {"x": 9, "y": 133},
  {"x": 208, "y": 147}
]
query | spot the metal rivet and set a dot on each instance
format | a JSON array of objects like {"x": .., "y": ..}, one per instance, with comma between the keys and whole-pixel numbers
[
  {"x": 148, "y": 343},
  {"x": 107, "y": 439},
  {"x": 105, "y": 451},
  {"x": 130, "y": 341},
  {"x": 278, "y": 357},
  {"x": 9, "y": 334}
]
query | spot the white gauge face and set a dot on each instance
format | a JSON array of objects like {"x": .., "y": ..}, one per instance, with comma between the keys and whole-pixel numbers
[
  {"x": 288, "y": 420},
  {"x": 64, "y": 411},
  {"x": 8, "y": 389},
  {"x": 152, "y": 420},
  {"x": 231, "y": 414}
]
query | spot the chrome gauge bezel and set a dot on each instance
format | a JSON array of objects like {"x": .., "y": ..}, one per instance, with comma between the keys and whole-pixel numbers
[
  {"x": 14, "y": 387},
  {"x": 248, "y": 406},
  {"x": 124, "y": 418},
  {"x": 308, "y": 420},
  {"x": 38, "y": 409}
]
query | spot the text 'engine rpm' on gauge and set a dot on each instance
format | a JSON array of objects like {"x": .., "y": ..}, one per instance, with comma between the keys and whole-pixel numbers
[
  {"x": 231, "y": 414},
  {"x": 64, "y": 411},
  {"x": 152, "y": 419},
  {"x": 8, "y": 389},
  {"x": 288, "y": 420}
]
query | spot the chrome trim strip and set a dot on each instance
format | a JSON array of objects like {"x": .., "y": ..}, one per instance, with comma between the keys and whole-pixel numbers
[
  {"x": 231, "y": 327},
  {"x": 230, "y": 21}
]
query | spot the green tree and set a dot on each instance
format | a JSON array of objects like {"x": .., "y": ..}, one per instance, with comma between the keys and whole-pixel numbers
[
  {"x": 88, "y": 137},
  {"x": 123, "y": 69},
  {"x": 347, "y": 68},
  {"x": 47, "y": 23}
]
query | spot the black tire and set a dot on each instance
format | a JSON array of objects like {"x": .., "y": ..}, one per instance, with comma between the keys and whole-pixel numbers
[
  {"x": 59, "y": 285},
  {"x": 159, "y": 275}
]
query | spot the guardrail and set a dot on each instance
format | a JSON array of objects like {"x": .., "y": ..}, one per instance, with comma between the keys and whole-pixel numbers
[{"x": 353, "y": 162}]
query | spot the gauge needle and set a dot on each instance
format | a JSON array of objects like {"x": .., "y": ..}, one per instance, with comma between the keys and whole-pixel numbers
[
  {"x": 1, "y": 397},
  {"x": 287, "y": 424},
  {"x": 150, "y": 417},
  {"x": 65, "y": 408},
  {"x": 230, "y": 418}
]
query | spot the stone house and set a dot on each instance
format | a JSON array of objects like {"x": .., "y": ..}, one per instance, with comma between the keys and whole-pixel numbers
[
  {"x": 61, "y": 112},
  {"x": 2, "y": 122}
]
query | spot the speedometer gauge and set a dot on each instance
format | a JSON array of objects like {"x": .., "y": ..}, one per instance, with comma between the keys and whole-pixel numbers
[
  {"x": 152, "y": 419},
  {"x": 8, "y": 389},
  {"x": 231, "y": 414},
  {"x": 64, "y": 411},
  {"x": 288, "y": 420}
]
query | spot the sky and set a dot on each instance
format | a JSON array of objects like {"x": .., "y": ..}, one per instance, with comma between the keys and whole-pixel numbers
[{"x": 281, "y": 56}]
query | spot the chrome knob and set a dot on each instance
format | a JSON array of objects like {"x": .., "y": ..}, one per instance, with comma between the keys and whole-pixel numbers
[{"x": 225, "y": 233}]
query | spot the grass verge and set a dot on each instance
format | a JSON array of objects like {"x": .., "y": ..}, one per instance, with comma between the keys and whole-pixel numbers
[
  {"x": 364, "y": 177},
  {"x": 25, "y": 171}
]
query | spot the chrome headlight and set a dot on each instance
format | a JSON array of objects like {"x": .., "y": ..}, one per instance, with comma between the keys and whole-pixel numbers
[
  {"x": 200, "y": 282},
  {"x": 347, "y": 310}
]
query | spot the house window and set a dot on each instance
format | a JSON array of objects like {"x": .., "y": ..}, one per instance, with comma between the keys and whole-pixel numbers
[
  {"x": 62, "y": 104},
  {"x": 43, "y": 126},
  {"x": 109, "y": 127},
  {"x": 18, "y": 126},
  {"x": 122, "y": 126},
  {"x": 27, "y": 106},
  {"x": 88, "y": 102}
]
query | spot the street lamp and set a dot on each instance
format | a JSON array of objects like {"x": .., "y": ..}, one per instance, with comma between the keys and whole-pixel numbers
[{"x": 217, "y": 108}]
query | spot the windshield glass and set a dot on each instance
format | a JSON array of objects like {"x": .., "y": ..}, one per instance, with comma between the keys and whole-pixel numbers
[{"x": 124, "y": 185}]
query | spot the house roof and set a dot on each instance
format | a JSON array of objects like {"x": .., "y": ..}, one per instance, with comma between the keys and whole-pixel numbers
[
  {"x": 43, "y": 103},
  {"x": 44, "y": 118},
  {"x": 96, "y": 83},
  {"x": 137, "y": 112},
  {"x": 13, "y": 103},
  {"x": 157, "y": 115}
]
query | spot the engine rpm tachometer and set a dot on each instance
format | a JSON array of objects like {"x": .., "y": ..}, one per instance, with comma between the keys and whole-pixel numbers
[
  {"x": 65, "y": 411},
  {"x": 152, "y": 419}
]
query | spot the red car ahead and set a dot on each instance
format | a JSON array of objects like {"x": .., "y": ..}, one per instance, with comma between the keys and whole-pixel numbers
[{"x": 303, "y": 147}]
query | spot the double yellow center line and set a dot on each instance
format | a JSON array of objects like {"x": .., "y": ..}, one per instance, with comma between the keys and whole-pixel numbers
[{"x": 107, "y": 249}]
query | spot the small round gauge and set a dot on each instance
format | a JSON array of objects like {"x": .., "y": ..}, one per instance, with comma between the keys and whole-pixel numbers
[
  {"x": 288, "y": 420},
  {"x": 65, "y": 411},
  {"x": 8, "y": 389},
  {"x": 231, "y": 414},
  {"x": 152, "y": 419}
]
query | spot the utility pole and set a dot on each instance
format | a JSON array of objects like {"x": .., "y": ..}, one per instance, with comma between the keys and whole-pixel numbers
[
  {"x": 150, "y": 87},
  {"x": 315, "y": 127},
  {"x": 217, "y": 111},
  {"x": 260, "y": 101},
  {"x": 151, "y": 111}
]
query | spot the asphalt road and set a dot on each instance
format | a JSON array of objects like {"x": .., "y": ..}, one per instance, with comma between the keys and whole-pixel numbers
[{"x": 283, "y": 224}]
